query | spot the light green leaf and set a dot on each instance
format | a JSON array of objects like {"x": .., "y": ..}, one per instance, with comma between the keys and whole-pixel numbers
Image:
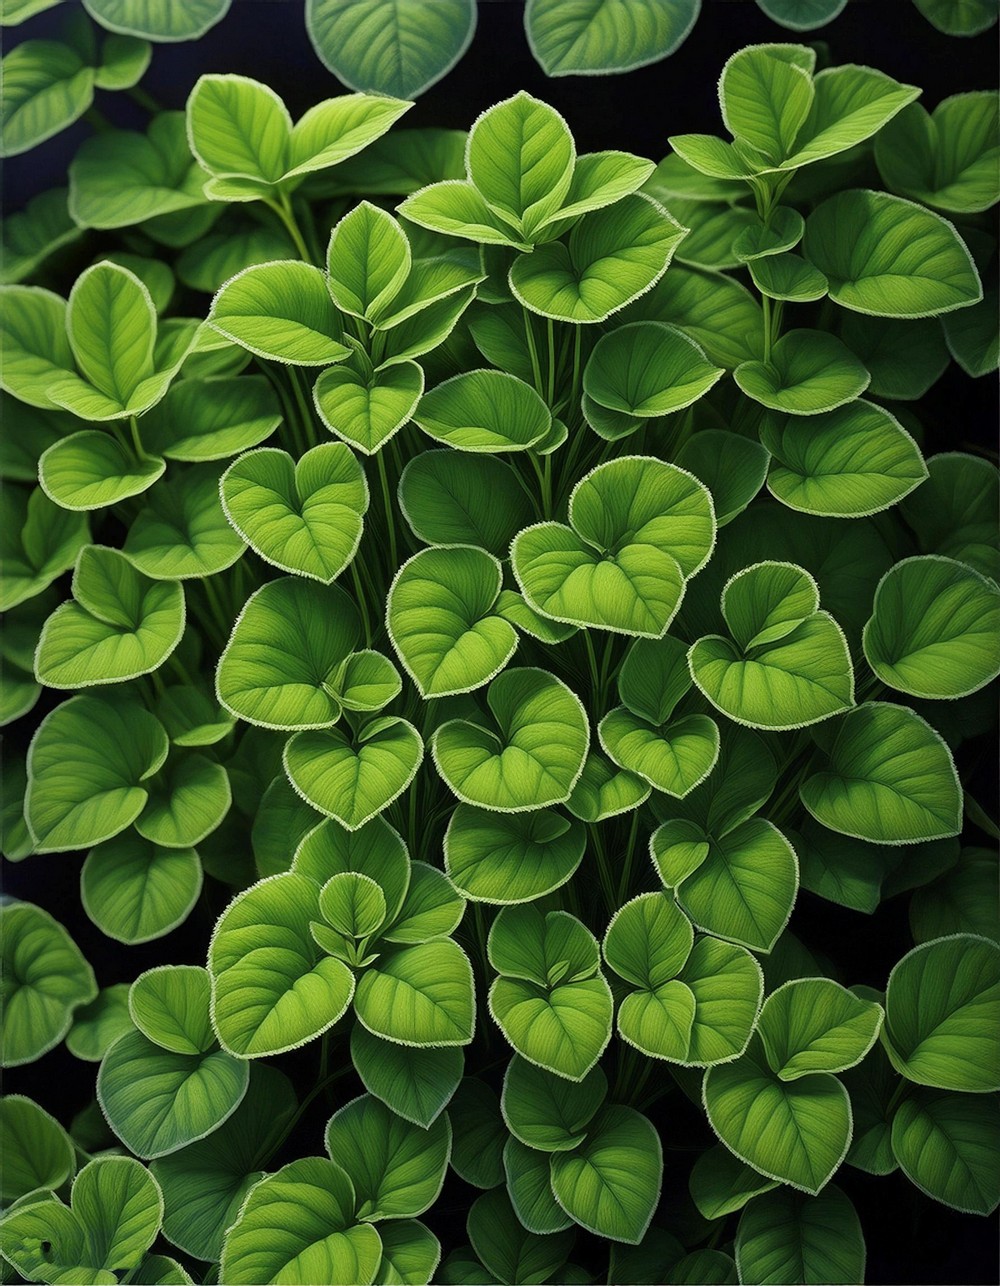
[
  {"x": 111, "y": 323},
  {"x": 279, "y": 668},
  {"x": 212, "y": 419},
  {"x": 33, "y": 344},
  {"x": 272, "y": 987},
  {"x": 796, "y": 1132},
  {"x": 885, "y": 776},
  {"x": 648, "y": 940},
  {"x": 958, "y": 17},
  {"x": 282, "y": 311},
  {"x": 889, "y": 257},
  {"x": 121, "y": 178},
  {"x": 120, "y": 624},
  {"x": 454, "y": 498},
  {"x": 366, "y": 410},
  {"x": 815, "y": 1025},
  {"x": 604, "y": 790},
  {"x": 596, "y": 36},
  {"x": 182, "y": 532},
  {"x": 47, "y": 85},
  {"x": 788, "y": 277},
  {"x": 538, "y": 755},
  {"x": 720, "y": 1183},
  {"x": 957, "y": 511},
  {"x": 33, "y": 234},
  {"x": 942, "y": 1004},
  {"x": 808, "y": 371},
  {"x": 610, "y": 1185},
  {"x": 158, "y": 20},
  {"x": 612, "y": 256},
  {"x": 564, "y": 1028},
  {"x": 647, "y": 369},
  {"x": 456, "y": 208},
  {"x": 92, "y": 470},
  {"x": 45, "y": 978},
  {"x": 37, "y": 1150},
  {"x": 39, "y": 541},
  {"x": 210, "y": 261},
  {"x": 441, "y": 623},
  {"x": 520, "y": 157},
  {"x": 947, "y": 1145},
  {"x": 304, "y": 517},
  {"x": 238, "y": 128},
  {"x": 368, "y": 260},
  {"x": 935, "y": 628},
  {"x": 851, "y": 104},
  {"x": 638, "y": 527},
  {"x": 375, "y": 850},
  {"x": 599, "y": 179},
  {"x": 802, "y": 15},
  {"x": 416, "y": 1083},
  {"x": 821, "y": 467},
  {"x": 158, "y": 1101},
  {"x": 393, "y": 48},
  {"x": 170, "y": 1006},
  {"x": 948, "y": 159},
  {"x": 410, "y": 1253},
  {"x": 530, "y": 1189},
  {"x": 674, "y": 758},
  {"x": 204, "y": 1184},
  {"x": 733, "y": 468},
  {"x": 397, "y": 1168},
  {"x": 98, "y": 1025},
  {"x": 421, "y": 995},
  {"x": 718, "y": 313},
  {"x": 484, "y": 410},
  {"x": 354, "y": 780},
  {"x": 548, "y": 1113},
  {"x": 135, "y": 891},
  {"x": 765, "y": 92},
  {"x": 786, "y": 1236},
  {"x": 299, "y": 1225},
  {"x": 86, "y": 765},
  {"x": 510, "y": 857}
]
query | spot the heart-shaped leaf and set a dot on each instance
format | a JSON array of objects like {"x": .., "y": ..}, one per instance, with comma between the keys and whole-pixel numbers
[
  {"x": 366, "y": 409},
  {"x": 510, "y": 857},
  {"x": 135, "y": 891}
]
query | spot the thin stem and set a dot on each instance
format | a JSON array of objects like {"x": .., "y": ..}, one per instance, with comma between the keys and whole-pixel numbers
[
  {"x": 574, "y": 388},
  {"x": 390, "y": 520},
  {"x": 139, "y": 95},
  {"x": 133, "y": 425},
  {"x": 302, "y": 402},
  {"x": 536, "y": 369},
  {"x": 550, "y": 336},
  {"x": 359, "y": 594},
  {"x": 595, "y": 681},
  {"x": 284, "y": 210},
  {"x": 215, "y": 607},
  {"x": 633, "y": 835},
  {"x": 766, "y": 306}
]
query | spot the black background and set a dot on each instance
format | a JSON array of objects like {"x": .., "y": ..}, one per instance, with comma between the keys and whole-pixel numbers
[{"x": 910, "y": 1239}]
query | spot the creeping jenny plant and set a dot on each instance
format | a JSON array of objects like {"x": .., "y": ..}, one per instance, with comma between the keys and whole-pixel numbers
[{"x": 499, "y": 598}]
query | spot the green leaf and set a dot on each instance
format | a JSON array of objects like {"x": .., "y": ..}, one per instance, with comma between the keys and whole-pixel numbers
[
  {"x": 135, "y": 891},
  {"x": 815, "y": 1025},
  {"x": 785, "y": 1236},
  {"x": 410, "y": 1253},
  {"x": 484, "y": 410},
  {"x": 638, "y": 527},
  {"x": 375, "y": 850},
  {"x": 548, "y": 1113},
  {"x": 647, "y": 369},
  {"x": 821, "y": 466},
  {"x": 542, "y": 949},
  {"x": 98, "y": 1025},
  {"x": 604, "y": 790},
  {"x": 599, "y": 179},
  {"x": 210, "y": 261},
  {"x": 596, "y": 37},
  {"x": 204, "y": 1184},
  {"x": 958, "y": 17},
  {"x": 170, "y": 1006},
  {"x": 282, "y": 311},
  {"x": 33, "y": 343},
  {"x": 17, "y": 11},
  {"x": 212, "y": 419},
  {"x": 456, "y": 208},
  {"x": 733, "y": 469},
  {"x": 788, "y": 664},
  {"x": 886, "y": 776},
  {"x": 744, "y": 889},
  {"x": 367, "y": 410},
  {"x": 479, "y": 1134},
  {"x": 35, "y": 233},
  {"x": 353, "y": 904},
  {"x": 121, "y": 178},
  {"x": 454, "y": 498},
  {"x": 904, "y": 358},
  {"x": 47, "y": 86},
  {"x": 299, "y": 1223},
  {"x": 788, "y": 277},
  {"x": 37, "y": 1150},
  {"x": 441, "y": 623},
  {"x": 368, "y": 260},
  {"x": 941, "y": 1006},
  {"x": 947, "y": 1145},
  {"x": 182, "y": 532},
  {"x": 530, "y": 1189},
  {"x": 720, "y": 1183},
  {"x": 510, "y": 857},
  {"x": 415, "y": 1083},
  {"x": 422, "y": 995},
  {"x": 796, "y": 1132},
  {"x": 536, "y": 758},
  {"x": 120, "y": 624},
  {"x": 40, "y": 541},
  {"x": 393, "y": 48},
  {"x": 91, "y": 470},
  {"x": 808, "y": 371},
  {"x": 612, "y": 256},
  {"x": 955, "y": 513},
  {"x": 889, "y": 257},
  {"x": 520, "y": 157},
  {"x": 648, "y": 940},
  {"x": 397, "y": 1168},
  {"x": 158, "y": 19},
  {"x": 45, "y": 979},
  {"x": 158, "y": 1101},
  {"x": 674, "y": 759},
  {"x": 872, "y": 1085},
  {"x": 354, "y": 780},
  {"x": 959, "y": 901},
  {"x": 765, "y": 92},
  {"x": 948, "y": 159},
  {"x": 305, "y": 517},
  {"x": 238, "y": 128},
  {"x": 564, "y": 1028},
  {"x": 934, "y": 628},
  {"x": 272, "y": 987},
  {"x": 120, "y": 1205},
  {"x": 610, "y": 1185},
  {"x": 718, "y": 313},
  {"x": 505, "y": 1245},
  {"x": 279, "y": 668},
  {"x": 851, "y": 104},
  {"x": 802, "y": 15},
  {"x": 86, "y": 765}
]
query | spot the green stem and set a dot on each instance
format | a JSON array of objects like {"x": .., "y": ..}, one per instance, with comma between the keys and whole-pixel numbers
[
  {"x": 536, "y": 369},
  {"x": 550, "y": 336},
  {"x": 595, "y": 680},
  {"x": 215, "y": 607},
  {"x": 359, "y": 594},
  {"x": 390, "y": 520},
  {"x": 574, "y": 388},
  {"x": 285, "y": 211},
  {"x": 633, "y": 835},
  {"x": 302, "y": 402},
  {"x": 147, "y": 101},
  {"x": 133, "y": 425}
]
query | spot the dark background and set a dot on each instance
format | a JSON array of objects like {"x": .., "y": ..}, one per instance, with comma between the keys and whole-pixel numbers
[{"x": 910, "y": 1239}]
